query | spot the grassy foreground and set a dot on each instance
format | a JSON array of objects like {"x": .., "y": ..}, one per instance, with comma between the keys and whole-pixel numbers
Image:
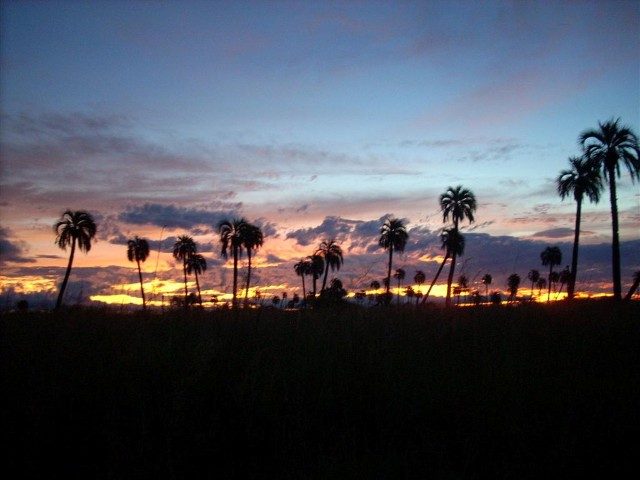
[{"x": 472, "y": 393}]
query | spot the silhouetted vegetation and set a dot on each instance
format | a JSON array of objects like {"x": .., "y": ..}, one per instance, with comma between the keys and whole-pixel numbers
[{"x": 532, "y": 391}]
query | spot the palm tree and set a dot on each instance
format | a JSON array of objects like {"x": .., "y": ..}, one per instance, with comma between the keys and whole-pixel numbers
[
  {"x": 419, "y": 278},
  {"x": 583, "y": 178},
  {"x": 452, "y": 242},
  {"x": 73, "y": 228},
  {"x": 197, "y": 264},
  {"x": 232, "y": 234},
  {"x": 486, "y": 280},
  {"x": 302, "y": 268},
  {"x": 316, "y": 269},
  {"x": 541, "y": 283},
  {"x": 375, "y": 285},
  {"x": 138, "y": 251},
  {"x": 393, "y": 236},
  {"x": 551, "y": 256},
  {"x": 463, "y": 285},
  {"x": 183, "y": 250},
  {"x": 459, "y": 203},
  {"x": 533, "y": 276},
  {"x": 399, "y": 275},
  {"x": 331, "y": 253},
  {"x": 607, "y": 147},
  {"x": 253, "y": 239},
  {"x": 565, "y": 277},
  {"x": 513, "y": 282},
  {"x": 634, "y": 286},
  {"x": 554, "y": 279}
]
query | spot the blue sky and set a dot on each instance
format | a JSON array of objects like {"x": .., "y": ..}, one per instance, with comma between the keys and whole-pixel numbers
[{"x": 292, "y": 112}]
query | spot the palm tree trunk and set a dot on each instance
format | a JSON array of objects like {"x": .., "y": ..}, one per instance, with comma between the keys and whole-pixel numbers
[
  {"x": 63, "y": 287},
  {"x": 304, "y": 293},
  {"x": 531, "y": 295},
  {"x": 198, "y": 287},
  {"x": 615, "y": 243},
  {"x": 184, "y": 270},
  {"x": 246, "y": 291},
  {"x": 326, "y": 274},
  {"x": 315, "y": 280},
  {"x": 144, "y": 302},
  {"x": 574, "y": 255},
  {"x": 235, "y": 277},
  {"x": 549, "y": 291},
  {"x": 452, "y": 269},
  {"x": 426, "y": 295},
  {"x": 633, "y": 289},
  {"x": 398, "y": 292},
  {"x": 389, "y": 269}
]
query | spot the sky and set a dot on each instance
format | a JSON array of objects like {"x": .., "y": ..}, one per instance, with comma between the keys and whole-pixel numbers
[{"x": 315, "y": 120}]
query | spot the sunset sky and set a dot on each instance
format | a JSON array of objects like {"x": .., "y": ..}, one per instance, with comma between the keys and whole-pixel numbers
[{"x": 313, "y": 119}]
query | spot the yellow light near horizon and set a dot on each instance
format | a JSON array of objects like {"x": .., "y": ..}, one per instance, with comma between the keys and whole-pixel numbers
[{"x": 28, "y": 284}]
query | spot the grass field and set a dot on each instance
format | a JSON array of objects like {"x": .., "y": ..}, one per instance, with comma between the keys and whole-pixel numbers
[{"x": 527, "y": 392}]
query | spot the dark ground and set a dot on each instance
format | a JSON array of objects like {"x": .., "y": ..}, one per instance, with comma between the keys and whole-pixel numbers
[{"x": 525, "y": 392}]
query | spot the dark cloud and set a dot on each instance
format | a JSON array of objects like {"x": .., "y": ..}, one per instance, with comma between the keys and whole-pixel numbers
[
  {"x": 174, "y": 216},
  {"x": 11, "y": 249},
  {"x": 561, "y": 232}
]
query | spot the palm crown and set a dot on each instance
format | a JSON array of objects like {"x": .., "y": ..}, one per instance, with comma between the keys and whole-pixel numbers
[
  {"x": 75, "y": 226},
  {"x": 331, "y": 253},
  {"x": 137, "y": 249},
  {"x": 583, "y": 178},
  {"x": 458, "y": 203}
]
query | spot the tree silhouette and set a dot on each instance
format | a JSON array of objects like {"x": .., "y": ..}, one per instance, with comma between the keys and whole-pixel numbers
[
  {"x": 551, "y": 256},
  {"x": 317, "y": 268},
  {"x": 253, "y": 239},
  {"x": 565, "y": 277},
  {"x": 513, "y": 283},
  {"x": 607, "y": 147},
  {"x": 541, "y": 283},
  {"x": 73, "y": 228},
  {"x": 331, "y": 253},
  {"x": 393, "y": 236},
  {"x": 419, "y": 278},
  {"x": 197, "y": 265},
  {"x": 138, "y": 251},
  {"x": 183, "y": 250},
  {"x": 486, "y": 281},
  {"x": 375, "y": 285},
  {"x": 399, "y": 275},
  {"x": 232, "y": 240},
  {"x": 463, "y": 285},
  {"x": 583, "y": 178},
  {"x": 452, "y": 242},
  {"x": 533, "y": 276},
  {"x": 634, "y": 286},
  {"x": 302, "y": 268},
  {"x": 457, "y": 203}
]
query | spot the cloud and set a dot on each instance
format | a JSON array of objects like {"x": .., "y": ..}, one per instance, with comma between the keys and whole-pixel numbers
[
  {"x": 11, "y": 249},
  {"x": 561, "y": 232},
  {"x": 174, "y": 216}
]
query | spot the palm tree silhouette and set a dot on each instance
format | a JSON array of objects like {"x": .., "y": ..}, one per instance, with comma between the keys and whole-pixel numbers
[
  {"x": 302, "y": 268},
  {"x": 253, "y": 239},
  {"x": 486, "y": 280},
  {"x": 393, "y": 236},
  {"x": 583, "y": 178},
  {"x": 331, "y": 253},
  {"x": 513, "y": 283},
  {"x": 565, "y": 277},
  {"x": 463, "y": 285},
  {"x": 607, "y": 147},
  {"x": 183, "y": 250},
  {"x": 138, "y": 251},
  {"x": 452, "y": 242},
  {"x": 232, "y": 234},
  {"x": 73, "y": 228},
  {"x": 197, "y": 264},
  {"x": 375, "y": 285},
  {"x": 419, "y": 278},
  {"x": 551, "y": 256},
  {"x": 459, "y": 203},
  {"x": 541, "y": 283},
  {"x": 316, "y": 269},
  {"x": 399, "y": 275},
  {"x": 634, "y": 286},
  {"x": 533, "y": 276}
]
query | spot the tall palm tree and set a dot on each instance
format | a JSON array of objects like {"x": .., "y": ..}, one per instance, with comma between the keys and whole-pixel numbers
[
  {"x": 458, "y": 203},
  {"x": 399, "y": 275},
  {"x": 607, "y": 147},
  {"x": 253, "y": 239},
  {"x": 583, "y": 178},
  {"x": 551, "y": 256},
  {"x": 183, "y": 250},
  {"x": 393, "y": 236},
  {"x": 316, "y": 269},
  {"x": 533, "y": 276},
  {"x": 73, "y": 228},
  {"x": 513, "y": 282},
  {"x": 302, "y": 268},
  {"x": 486, "y": 280},
  {"x": 452, "y": 242},
  {"x": 232, "y": 239},
  {"x": 419, "y": 278},
  {"x": 634, "y": 286},
  {"x": 197, "y": 264},
  {"x": 138, "y": 251},
  {"x": 331, "y": 253}
]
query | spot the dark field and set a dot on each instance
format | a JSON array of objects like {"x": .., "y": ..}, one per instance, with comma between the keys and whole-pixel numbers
[{"x": 515, "y": 393}]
